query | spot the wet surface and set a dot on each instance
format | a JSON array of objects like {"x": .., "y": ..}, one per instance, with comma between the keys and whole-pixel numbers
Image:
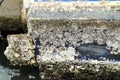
[
  {"x": 9, "y": 72},
  {"x": 95, "y": 51}
]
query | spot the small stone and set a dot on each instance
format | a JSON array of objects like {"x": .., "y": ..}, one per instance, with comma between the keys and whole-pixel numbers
[
  {"x": 97, "y": 66},
  {"x": 32, "y": 61},
  {"x": 31, "y": 77},
  {"x": 50, "y": 51},
  {"x": 42, "y": 76},
  {"x": 78, "y": 67},
  {"x": 97, "y": 70},
  {"x": 101, "y": 41},
  {"x": 25, "y": 49},
  {"x": 17, "y": 55},
  {"x": 114, "y": 52},
  {"x": 71, "y": 68}
]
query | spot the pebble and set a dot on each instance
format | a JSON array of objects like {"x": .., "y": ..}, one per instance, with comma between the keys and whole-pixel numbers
[
  {"x": 32, "y": 61},
  {"x": 16, "y": 55}
]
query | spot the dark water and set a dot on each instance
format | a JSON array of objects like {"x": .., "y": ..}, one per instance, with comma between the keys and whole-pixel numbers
[
  {"x": 95, "y": 51},
  {"x": 9, "y": 72}
]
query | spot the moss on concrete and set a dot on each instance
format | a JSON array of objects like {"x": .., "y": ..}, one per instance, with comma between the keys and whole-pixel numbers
[
  {"x": 12, "y": 25},
  {"x": 61, "y": 71},
  {"x": 10, "y": 17}
]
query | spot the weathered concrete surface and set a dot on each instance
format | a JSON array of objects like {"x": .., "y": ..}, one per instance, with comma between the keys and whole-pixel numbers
[
  {"x": 50, "y": 43},
  {"x": 59, "y": 35},
  {"x": 23, "y": 50},
  {"x": 90, "y": 70},
  {"x": 50, "y": 34},
  {"x": 52, "y": 40},
  {"x": 75, "y": 11}
]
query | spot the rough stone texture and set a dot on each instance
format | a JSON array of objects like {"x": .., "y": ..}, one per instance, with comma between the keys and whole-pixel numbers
[
  {"x": 74, "y": 34},
  {"x": 57, "y": 44},
  {"x": 53, "y": 35},
  {"x": 51, "y": 40},
  {"x": 80, "y": 70},
  {"x": 20, "y": 49}
]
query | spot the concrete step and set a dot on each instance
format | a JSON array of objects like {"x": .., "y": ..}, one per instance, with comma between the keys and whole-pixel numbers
[
  {"x": 52, "y": 26},
  {"x": 54, "y": 32}
]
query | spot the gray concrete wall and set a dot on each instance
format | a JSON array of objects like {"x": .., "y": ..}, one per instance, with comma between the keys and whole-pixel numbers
[
  {"x": 10, "y": 16},
  {"x": 11, "y": 8}
]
